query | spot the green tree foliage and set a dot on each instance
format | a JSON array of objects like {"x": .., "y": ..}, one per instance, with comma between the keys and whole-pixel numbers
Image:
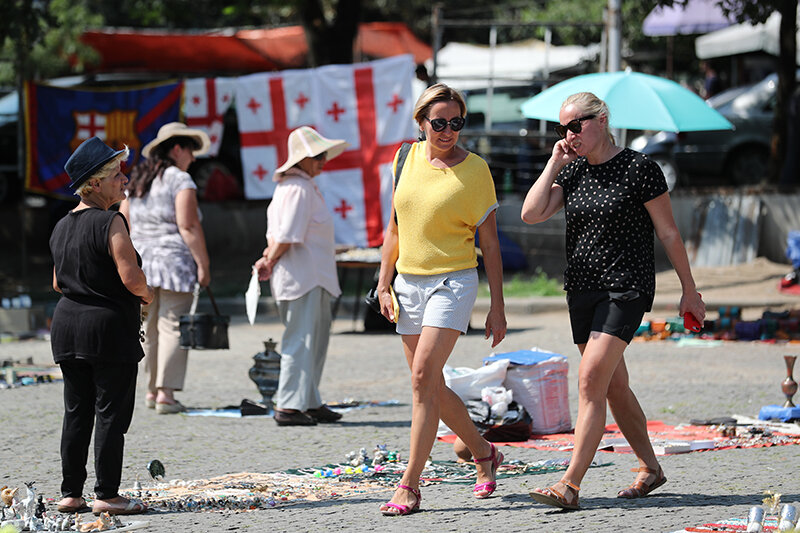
[{"x": 40, "y": 39}]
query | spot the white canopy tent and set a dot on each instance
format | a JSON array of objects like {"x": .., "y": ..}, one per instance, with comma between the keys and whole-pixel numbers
[
  {"x": 741, "y": 39},
  {"x": 467, "y": 66}
]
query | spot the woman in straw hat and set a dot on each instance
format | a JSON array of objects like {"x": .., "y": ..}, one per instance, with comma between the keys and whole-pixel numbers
[
  {"x": 445, "y": 195},
  {"x": 300, "y": 263},
  {"x": 165, "y": 228},
  {"x": 95, "y": 328}
]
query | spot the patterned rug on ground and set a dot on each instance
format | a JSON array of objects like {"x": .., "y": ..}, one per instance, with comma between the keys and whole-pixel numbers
[
  {"x": 668, "y": 439},
  {"x": 247, "y": 491}
]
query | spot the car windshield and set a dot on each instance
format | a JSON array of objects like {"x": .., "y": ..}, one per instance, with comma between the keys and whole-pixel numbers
[
  {"x": 505, "y": 106},
  {"x": 758, "y": 97},
  {"x": 719, "y": 100}
]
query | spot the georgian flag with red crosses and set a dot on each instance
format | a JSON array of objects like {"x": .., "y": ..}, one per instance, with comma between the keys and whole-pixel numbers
[
  {"x": 205, "y": 101},
  {"x": 369, "y": 105}
]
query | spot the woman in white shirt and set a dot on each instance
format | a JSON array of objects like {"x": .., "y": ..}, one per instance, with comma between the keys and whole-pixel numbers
[{"x": 300, "y": 263}]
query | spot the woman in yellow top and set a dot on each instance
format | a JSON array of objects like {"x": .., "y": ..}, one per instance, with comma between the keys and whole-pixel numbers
[{"x": 446, "y": 193}]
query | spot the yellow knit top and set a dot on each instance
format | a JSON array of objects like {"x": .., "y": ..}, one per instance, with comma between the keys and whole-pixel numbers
[{"x": 438, "y": 211}]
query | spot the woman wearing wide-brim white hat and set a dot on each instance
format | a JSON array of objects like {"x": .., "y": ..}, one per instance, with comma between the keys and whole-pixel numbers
[
  {"x": 161, "y": 206},
  {"x": 179, "y": 129},
  {"x": 300, "y": 262}
]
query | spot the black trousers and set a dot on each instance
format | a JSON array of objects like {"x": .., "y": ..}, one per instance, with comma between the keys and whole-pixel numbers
[{"x": 105, "y": 392}]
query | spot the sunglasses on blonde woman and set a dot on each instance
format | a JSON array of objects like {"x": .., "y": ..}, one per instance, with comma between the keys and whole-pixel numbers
[
  {"x": 574, "y": 126},
  {"x": 439, "y": 124}
]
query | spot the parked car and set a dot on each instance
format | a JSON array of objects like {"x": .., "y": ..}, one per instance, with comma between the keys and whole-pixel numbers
[
  {"x": 737, "y": 156},
  {"x": 512, "y": 150}
]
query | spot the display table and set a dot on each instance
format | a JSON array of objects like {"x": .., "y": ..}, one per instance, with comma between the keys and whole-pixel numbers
[{"x": 356, "y": 260}]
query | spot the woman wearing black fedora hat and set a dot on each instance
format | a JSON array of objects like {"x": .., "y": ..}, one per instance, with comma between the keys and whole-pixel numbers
[{"x": 95, "y": 328}]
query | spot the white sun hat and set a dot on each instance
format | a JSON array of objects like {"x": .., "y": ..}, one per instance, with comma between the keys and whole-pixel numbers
[
  {"x": 305, "y": 142},
  {"x": 178, "y": 129}
]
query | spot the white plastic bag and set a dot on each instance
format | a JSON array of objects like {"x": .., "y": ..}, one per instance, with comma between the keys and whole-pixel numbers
[
  {"x": 498, "y": 399},
  {"x": 543, "y": 390},
  {"x": 251, "y": 297},
  {"x": 467, "y": 383}
]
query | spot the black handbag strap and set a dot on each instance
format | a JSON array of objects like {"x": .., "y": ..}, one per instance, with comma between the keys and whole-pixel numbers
[
  {"x": 401, "y": 160},
  {"x": 196, "y": 298},
  {"x": 211, "y": 297}
]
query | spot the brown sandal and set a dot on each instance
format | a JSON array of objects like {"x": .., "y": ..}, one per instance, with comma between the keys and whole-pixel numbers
[
  {"x": 552, "y": 497},
  {"x": 641, "y": 489}
]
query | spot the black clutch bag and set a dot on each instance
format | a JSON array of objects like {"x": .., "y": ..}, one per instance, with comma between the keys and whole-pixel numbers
[{"x": 372, "y": 300}]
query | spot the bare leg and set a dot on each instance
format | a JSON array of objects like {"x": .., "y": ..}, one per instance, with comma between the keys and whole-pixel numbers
[
  {"x": 462, "y": 452},
  {"x": 600, "y": 357},
  {"x": 426, "y": 355},
  {"x": 631, "y": 421},
  {"x": 165, "y": 396},
  {"x": 454, "y": 413}
]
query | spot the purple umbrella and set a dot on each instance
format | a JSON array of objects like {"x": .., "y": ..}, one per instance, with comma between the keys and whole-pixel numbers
[{"x": 699, "y": 16}]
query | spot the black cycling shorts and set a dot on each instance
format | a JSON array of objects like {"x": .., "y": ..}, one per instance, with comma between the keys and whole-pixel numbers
[{"x": 618, "y": 313}]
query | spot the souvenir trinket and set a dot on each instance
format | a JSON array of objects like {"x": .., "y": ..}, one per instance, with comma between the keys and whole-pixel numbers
[{"x": 156, "y": 469}]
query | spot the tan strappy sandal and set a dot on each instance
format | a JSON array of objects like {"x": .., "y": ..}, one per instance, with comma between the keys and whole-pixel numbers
[
  {"x": 552, "y": 497},
  {"x": 640, "y": 489}
]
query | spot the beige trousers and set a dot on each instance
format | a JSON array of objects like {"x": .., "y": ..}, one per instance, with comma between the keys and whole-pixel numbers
[
  {"x": 165, "y": 360},
  {"x": 303, "y": 349}
]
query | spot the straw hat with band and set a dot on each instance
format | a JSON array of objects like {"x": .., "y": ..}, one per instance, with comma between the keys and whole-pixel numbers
[
  {"x": 307, "y": 142},
  {"x": 178, "y": 129}
]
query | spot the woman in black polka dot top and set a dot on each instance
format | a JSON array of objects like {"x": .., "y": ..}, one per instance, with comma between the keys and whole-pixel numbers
[{"x": 614, "y": 198}]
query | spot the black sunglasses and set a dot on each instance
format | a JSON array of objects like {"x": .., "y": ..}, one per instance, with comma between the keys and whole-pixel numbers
[
  {"x": 320, "y": 157},
  {"x": 574, "y": 126},
  {"x": 439, "y": 124}
]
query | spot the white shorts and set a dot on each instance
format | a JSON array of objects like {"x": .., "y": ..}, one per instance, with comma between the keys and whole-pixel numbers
[{"x": 439, "y": 300}]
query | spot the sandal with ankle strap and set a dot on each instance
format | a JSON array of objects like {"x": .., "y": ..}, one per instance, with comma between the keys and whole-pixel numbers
[
  {"x": 400, "y": 508},
  {"x": 640, "y": 489},
  {"x": 552, "y": 497},
  {"x": 484, "y": 490}
]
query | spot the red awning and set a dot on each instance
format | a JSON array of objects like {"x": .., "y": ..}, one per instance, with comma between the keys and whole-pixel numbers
[
  {"x": 241, "y": 52},
  {"x": 140, "y": 51},
  {"x": 385, "y": 39}
]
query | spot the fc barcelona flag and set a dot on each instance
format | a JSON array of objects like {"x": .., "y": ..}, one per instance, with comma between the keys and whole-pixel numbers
[{"x": 57, "y": 120}]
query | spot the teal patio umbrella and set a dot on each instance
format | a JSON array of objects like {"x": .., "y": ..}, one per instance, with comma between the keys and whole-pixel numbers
[{"x": 636, "y": 101}]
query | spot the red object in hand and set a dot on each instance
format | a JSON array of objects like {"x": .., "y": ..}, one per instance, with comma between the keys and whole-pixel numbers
[{"x": 690, "y": 322}]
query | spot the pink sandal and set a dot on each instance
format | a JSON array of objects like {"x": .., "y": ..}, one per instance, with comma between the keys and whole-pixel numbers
[
  {"x": 484, "y": 490},
  {"x": 403, "y": 509}
]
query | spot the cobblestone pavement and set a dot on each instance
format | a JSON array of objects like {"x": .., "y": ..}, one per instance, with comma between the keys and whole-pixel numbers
[{"x": 674, "y": 384}]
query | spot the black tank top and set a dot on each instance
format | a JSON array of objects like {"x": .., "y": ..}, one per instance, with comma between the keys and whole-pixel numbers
[{"x": 97, "y": 317}]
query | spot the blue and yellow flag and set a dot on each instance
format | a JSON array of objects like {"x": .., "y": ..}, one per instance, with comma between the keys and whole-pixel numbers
[{"x": 57, "y": 120}]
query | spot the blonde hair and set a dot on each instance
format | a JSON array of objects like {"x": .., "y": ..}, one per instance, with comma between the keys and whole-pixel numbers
[
  {"x": 591, "y": 105},
  {"x": 106, "y": 171},
  {"x": 437, "y": 93}
]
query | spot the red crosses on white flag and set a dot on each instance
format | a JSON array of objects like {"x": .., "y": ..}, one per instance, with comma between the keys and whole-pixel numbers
[
  {"x": 367, "y": 104},
  {"x": 269, "y": 107},
  {"x": 204, "y": 104}
]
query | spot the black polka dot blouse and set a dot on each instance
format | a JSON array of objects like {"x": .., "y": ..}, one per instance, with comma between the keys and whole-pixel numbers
[{"x": 609, "y": 231}]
